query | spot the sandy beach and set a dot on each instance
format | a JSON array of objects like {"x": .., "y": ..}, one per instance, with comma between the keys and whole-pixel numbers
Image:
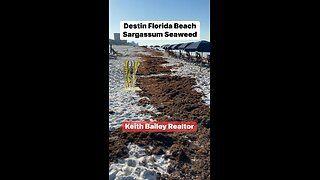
[{"x": 171, "y": 90}]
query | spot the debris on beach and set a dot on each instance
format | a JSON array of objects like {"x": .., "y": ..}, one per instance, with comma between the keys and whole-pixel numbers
[{"x": 171, "y": 90}]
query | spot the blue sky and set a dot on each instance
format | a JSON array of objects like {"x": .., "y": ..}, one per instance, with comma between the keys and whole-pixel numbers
[{"x": 160, "y": 10}]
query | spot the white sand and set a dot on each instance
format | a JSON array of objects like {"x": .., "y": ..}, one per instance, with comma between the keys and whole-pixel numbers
[
  {"x": 189, "y": 69},
  {"x": 132, "y": 167},
  {"x": 124, "y": 104}
]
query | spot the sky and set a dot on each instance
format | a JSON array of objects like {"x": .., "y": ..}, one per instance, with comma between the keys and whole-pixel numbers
[{"x": 160, "y": 10}]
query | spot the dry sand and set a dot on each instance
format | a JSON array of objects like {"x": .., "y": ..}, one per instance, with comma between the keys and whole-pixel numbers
[{"x": 187, "y": 155}]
